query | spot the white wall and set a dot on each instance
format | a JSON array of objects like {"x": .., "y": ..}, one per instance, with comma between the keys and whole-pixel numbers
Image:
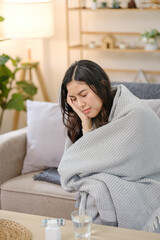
[{"x": 52, "y": 53}]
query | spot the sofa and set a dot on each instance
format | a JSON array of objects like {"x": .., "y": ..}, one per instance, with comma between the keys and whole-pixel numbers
[{"x": 20, "y": 192}]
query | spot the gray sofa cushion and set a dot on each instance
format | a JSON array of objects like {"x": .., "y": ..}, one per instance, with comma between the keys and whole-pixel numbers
[{"x": 142, "y": 90}]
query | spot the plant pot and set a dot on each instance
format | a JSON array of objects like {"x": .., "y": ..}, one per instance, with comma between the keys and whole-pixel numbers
[
  {"x": 151, "y": 46},
  {"x": 94, "y": 5}
]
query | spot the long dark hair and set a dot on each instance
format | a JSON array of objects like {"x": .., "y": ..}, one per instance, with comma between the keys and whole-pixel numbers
[{"x": 96, "y": 78}]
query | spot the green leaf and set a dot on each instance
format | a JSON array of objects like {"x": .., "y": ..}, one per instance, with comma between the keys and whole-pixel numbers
[
  {"x": 5, "y": 73},
  {"x": 153, "y": 33},
  {"x": 16, "y": 102},
  {"x": 4, "y": 91},
  {"x": 1, "y": 19},
  {"x": 27, "y": 87},
  {"x": 3, "y": 59},
  {"x": 15, "y": 61}
]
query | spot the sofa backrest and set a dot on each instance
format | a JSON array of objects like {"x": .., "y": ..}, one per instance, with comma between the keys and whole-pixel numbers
[{"x": 142, "y": 90}]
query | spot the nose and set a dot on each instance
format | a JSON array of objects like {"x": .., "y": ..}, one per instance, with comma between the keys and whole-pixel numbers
[{"x": 81, "y": 103}]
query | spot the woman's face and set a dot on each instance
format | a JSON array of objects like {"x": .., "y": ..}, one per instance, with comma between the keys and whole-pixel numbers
[{"x": 84, "y": 99}]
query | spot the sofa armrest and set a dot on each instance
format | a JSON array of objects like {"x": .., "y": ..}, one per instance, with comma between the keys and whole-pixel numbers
[{"x": 12, "y": 153}]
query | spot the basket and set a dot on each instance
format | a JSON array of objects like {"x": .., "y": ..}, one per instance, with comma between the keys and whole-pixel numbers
[{"x": 10, "y": 230}]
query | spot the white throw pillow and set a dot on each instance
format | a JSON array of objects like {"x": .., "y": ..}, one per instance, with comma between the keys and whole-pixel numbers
[{"x": 45, "y": 136}]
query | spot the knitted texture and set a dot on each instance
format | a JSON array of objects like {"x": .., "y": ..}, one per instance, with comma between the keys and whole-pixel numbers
[{"x": 116, "y": 168}]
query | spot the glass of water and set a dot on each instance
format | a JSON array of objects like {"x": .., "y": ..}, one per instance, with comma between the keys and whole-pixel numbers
[{"x": 82, "y": 221}]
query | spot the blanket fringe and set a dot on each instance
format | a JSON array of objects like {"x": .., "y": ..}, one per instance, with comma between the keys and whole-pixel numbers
[{"x": 155, "y": 224}]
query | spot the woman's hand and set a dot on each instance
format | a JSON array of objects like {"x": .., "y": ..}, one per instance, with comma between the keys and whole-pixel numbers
[{"x": 86, "y": 121}]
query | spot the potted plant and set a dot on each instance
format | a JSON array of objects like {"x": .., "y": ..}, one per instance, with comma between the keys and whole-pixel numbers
[
  {"x": 116, "y": 4},
  {"x": 13, "y": 93},
  {"x": 150, "y": 39},
  {"x": 94, "y": 4}
]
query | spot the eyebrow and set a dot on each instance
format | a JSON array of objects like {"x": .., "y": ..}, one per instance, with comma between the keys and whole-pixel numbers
[{"x": 79, "y": 92}]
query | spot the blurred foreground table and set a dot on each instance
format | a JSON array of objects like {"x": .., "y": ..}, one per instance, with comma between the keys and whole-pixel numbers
[{"x": 99, "y": 232}]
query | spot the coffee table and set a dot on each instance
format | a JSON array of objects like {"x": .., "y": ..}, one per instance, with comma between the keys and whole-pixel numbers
[{"x": 99, "y": 232}]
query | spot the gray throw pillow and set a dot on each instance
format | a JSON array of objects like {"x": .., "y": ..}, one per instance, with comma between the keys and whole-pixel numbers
[{"x": 49, "y": 175}]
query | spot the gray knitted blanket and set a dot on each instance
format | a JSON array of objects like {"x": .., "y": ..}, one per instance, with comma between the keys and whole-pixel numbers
[{"x": 116, "y": 168}]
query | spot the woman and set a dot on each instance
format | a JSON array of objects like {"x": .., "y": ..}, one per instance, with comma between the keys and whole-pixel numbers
[
  {"x": 112, "y": 156},
  {"x": 89, "y": 98}
]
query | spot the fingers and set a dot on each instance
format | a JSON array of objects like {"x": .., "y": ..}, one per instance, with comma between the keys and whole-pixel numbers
[
  {"x": 80, "y": 114},
  {"x": 69, "y": 101}
]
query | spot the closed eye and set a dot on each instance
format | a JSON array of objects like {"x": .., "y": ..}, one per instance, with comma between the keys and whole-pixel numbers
[{"x": 84, "y": 95}]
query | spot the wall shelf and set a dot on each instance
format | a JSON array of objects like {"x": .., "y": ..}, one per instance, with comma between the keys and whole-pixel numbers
[
  {"x": 114, "y": 10},
  {"x": 88, "y": 32},
  {"x": 132, "y": 50},
  {"x": 113, "y": 33},
  {"x": 131, "y": 71}
]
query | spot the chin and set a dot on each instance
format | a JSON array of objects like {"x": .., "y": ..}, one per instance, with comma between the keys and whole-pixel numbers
[{"x": 92, "y": 115}]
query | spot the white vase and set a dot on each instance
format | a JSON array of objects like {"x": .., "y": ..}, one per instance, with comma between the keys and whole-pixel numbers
[
  {"x": 151, "y": 46},
  {"x": 94, "y": 5}
]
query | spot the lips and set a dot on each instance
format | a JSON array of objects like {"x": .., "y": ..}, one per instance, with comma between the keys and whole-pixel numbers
[{"x": 86, "y": 110}]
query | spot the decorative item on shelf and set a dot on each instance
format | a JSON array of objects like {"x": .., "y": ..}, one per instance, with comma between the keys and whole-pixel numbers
[
  {"x": 92, "y": 44},
  {"x": 108, "y": 41},
  {"x": 94, "y": 4},
  {"x": 103, "y": 4},
  {"x": 140, "y": 76},
  {"x": 83, "y": 3},
  {"x": 150, "y": 38},
  {"x": 116, "y": 4},
  {"x": 123, "y": 45},
  {"x": 132, "y": 4}
]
